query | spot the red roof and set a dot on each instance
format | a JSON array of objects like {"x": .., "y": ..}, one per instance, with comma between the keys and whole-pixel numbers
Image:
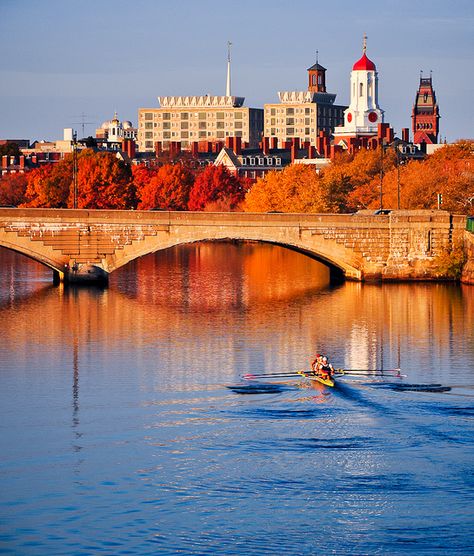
[{"x": 364, "y": 64}]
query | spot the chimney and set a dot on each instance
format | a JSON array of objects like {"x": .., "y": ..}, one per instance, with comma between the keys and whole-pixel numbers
[
  {"x": 5, "y": 161},
  {"x": 311, "y": 151},
  {"x": 265, "y": 145},
  {"x": 22, "y": 161},
  {"x": 132, "y": 148},
  {"x": 389, "y": 135},
  {"x": 274, "y": 142},
  {"x": 406, "y": 134},
  {"x": 158, "y": 148},
  {"x": 295, "y": 141},
  {"x": 177, "y": 147},
  {"x": 228, "y": 142},
  {"x": 194, "y": 148},
  {"x": 209, "y": 147},
  {"x": 238, "y": 145}
]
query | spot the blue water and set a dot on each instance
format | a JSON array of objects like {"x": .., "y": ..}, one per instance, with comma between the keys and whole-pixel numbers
[{"x": 122, "y": 431}]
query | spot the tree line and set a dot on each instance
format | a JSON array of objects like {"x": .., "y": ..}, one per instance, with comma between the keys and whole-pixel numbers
[{"x": 369, "y": 179}]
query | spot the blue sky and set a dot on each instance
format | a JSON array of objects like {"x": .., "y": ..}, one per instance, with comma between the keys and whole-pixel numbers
[{"x": 60, "y": 59}]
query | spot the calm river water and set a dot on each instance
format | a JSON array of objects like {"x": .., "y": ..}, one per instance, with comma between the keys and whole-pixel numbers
[{"x": 121, "y": 432}]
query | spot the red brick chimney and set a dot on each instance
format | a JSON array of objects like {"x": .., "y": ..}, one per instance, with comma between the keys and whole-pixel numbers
[
  {"x": 22, "y": 161},
  {"x": 194, "y": 148},
  {"x": 158, "y": 148},
  {"x": 265, "y": 145},
  {"x": 238, "y": 145},
  {"x": 274, "y": 142},
  {"x": 406, "y": 134},
  {"x": 5, "y": 161}
]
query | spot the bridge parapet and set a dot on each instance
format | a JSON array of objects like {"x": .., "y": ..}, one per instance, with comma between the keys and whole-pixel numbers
[{"x": 89, "y": 244}]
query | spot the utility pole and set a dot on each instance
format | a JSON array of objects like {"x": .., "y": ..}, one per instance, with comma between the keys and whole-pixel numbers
[
  {"x": 74, "y": 168},
  {"x": 381, "y": 173}
]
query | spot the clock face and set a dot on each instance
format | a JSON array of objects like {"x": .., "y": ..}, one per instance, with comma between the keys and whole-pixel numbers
[
  {"x": 349, "y": 117},
  {"x": 372, "y": 117}
]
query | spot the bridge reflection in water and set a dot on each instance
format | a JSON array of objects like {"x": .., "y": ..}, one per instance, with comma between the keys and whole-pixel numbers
[{"x": 245, "y": 306}]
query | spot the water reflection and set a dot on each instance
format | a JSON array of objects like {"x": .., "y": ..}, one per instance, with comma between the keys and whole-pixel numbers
[{"x": 197, "y": 296}]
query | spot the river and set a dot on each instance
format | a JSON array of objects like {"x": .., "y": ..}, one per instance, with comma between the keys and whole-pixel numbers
[{"x": 126, "y": 427}]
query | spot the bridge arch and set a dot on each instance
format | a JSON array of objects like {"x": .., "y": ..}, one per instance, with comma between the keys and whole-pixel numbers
[{"x": 339, "y": 268}]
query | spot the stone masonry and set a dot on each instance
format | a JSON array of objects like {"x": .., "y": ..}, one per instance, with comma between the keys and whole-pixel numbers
[{"x": 82, "y": 245}]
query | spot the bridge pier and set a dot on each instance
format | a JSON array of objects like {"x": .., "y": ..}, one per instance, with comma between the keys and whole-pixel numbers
[{"x": 83, "y": 274}]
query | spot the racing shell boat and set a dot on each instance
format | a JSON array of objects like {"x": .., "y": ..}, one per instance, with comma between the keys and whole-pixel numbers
[{"x": 329, "y": 381}]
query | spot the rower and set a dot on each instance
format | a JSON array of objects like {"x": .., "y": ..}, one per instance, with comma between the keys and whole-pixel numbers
[
  {"x": 316, "y": 362},
  {"x": 324, "y": 368}
]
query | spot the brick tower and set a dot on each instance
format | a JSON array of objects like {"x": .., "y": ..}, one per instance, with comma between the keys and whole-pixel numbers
[
  {"x": 425, "y": 113},
  {"x": 317, "y": 77}
]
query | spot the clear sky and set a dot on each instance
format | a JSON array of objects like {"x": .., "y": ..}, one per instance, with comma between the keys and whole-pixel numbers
[{"x": 60, "y": 59}]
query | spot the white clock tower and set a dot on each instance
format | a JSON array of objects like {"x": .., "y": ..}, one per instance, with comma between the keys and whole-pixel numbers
[{"x": 363, "y": 115}]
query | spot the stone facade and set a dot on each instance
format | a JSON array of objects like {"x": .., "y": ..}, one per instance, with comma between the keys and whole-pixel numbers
[{"x": 468, "y": 271}]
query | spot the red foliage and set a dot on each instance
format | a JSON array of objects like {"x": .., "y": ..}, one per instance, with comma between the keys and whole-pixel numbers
[
  {"x": 216, "y": 186},
  {"x": 12, "y": 189},
  {"x": 168, "y": 188}
]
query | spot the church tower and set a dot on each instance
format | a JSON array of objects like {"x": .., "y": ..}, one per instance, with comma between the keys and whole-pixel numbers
[
  {"x": 362, "y": 117},
  {"x": 425, "y": 113}
]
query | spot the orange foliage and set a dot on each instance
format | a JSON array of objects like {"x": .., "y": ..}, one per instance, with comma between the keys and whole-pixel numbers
[
  {"x": 297, "y": 188},
  {"x": 47, "y": 187},
  {"x": 103, "y": 182},
  {"x": 448, "y": 171},
  {"x": 168, "y": 188}
]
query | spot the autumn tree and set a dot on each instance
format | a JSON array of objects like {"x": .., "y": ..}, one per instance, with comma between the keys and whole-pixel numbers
[
  {"x": 103, "y": 182},
  {"x": 349, "y": 173},
  {"x": 168, "y": 188},
  {"x": 447, "y": 171},
  {"x": 10, "y": 149},
  {"x": 12, "y": 189},
  {"x": 47, "y": 187},
  {"x": 216, "y": 188},
  {"x": 297, "y": 188}
]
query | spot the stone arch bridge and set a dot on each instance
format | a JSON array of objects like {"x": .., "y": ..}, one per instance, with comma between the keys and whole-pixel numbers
[{"x": 87, "y": 245}]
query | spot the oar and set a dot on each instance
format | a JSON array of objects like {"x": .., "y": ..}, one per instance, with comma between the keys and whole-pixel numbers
[
  {"x": 251, "y": 376},
  {"x": 367, "y": 371}
]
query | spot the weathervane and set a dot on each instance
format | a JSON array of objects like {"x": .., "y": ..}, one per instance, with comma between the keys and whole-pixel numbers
[{"x": 364, "y": 47}]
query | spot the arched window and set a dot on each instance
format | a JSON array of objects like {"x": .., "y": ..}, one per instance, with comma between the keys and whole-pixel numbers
[{"x": 361, "y": 89}]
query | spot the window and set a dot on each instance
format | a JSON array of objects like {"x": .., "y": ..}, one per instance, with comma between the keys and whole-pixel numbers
[
  {"x": 184, "y": 125},
  {"x": 272, "y": 112},
  {"x": 238, "y": 125},
  {"x": 149, "y": 125},
  {"x": 269, "y": 161},
  {"x": 238, "y": 133},
  {"x": 238, "y": 115},
  {"x": 185, "y": 134},
  {"x": 148, "y": 144},
  {"x": 307, "y": 110},
  {"x": 202, "y": 125},
  {"x": 166, "y": 125},
  {"x": 220, "y": 125},
  {"x": 290, "y": 121},
  {"x": 202, "y": 134},
  {"x": 361, "y": 89},
  {"x": 277, "y": 161},
  {"x": 184, "y": 115},
  {"x": 166, "y": 135},
  {"x": 149, "y": 135},
  {"x": 220, "y": 115},
  {"x": 202, "y": 115},
  {"x": 166, "y": 116},
  {"x": 290, "y": 111},
  {"x": 290, "y": 130},
  {"x": 148, "y": 116}
]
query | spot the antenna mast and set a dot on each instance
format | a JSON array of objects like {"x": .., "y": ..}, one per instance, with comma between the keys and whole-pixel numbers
[{"x": 227, "y": 89}]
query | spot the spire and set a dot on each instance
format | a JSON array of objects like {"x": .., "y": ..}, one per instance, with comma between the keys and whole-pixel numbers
[
  {"x": 364, "y": 47},
  {"x": 227, "y": 89},
  {"x": 317, "y": 57}
]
